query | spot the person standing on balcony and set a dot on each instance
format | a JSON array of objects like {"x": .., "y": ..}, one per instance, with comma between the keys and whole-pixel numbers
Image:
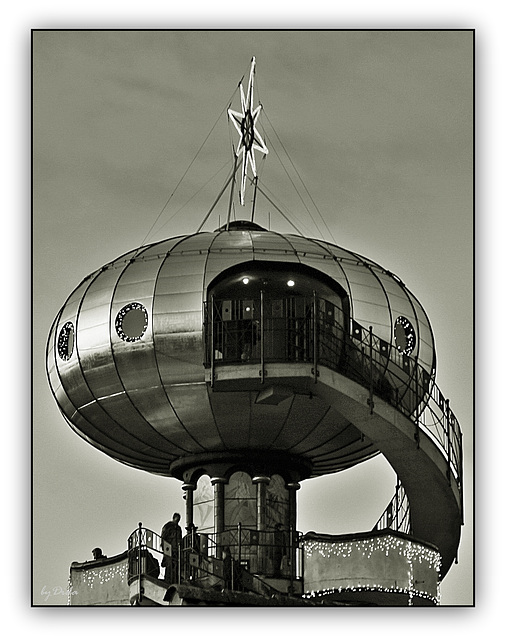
[
  {"x": 171, "y": 542},
  {"x": 97, "y": 554},
  {"x": 227, "y": 568}
]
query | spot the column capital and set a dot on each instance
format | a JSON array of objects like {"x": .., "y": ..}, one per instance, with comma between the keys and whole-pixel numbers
[
  {"x": 189, "y": 486},
  {"x": 293, "y": 485},
  {"x": 218, "y": 480},
  {"x": 261, "y": 480}
]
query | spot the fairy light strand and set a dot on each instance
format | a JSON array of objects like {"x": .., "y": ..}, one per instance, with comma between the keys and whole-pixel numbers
[{"x": 414, "y": 553}]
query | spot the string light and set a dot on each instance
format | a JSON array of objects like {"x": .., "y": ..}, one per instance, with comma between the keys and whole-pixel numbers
[
  {"x": 94, "y": 577},
  {"x": 413, "y": 552},
  {"x": 411, "y": 593},
  {"x": 69, "y": 590},
  {"x": 404, "y": 334}
]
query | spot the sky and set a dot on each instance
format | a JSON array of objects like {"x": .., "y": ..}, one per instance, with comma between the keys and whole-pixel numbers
[{"x": 379, "y": 124}]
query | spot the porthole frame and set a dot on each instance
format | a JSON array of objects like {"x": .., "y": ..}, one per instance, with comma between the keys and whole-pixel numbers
[
  {"x": 409, "y": 336},
  {"x": 120, "y": 316},
  {"x": 62, "y": 344}
]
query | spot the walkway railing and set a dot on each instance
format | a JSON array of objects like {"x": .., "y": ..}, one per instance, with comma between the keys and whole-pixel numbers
[
  {"x": 312, "y": 332},
  {"x": 397, "y": 515}
]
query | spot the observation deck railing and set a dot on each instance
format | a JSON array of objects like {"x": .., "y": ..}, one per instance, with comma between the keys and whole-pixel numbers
[
  {"x": 200, "y": 559},
  {"x": 314, "y": 334}
]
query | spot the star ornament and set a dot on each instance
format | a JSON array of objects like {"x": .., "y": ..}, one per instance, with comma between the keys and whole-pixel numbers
[{"x": 250, "y": 139}]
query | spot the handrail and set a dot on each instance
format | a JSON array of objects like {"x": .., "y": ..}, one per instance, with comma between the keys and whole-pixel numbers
[
  {"x": 356, "y": 353},
  {"x": 198, "y": 559},
  {"x": 397, "y": 514}
]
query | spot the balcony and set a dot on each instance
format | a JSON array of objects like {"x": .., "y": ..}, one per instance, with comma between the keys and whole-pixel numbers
[
  {"x": 258, "y": 564},
  {"x": 386, "y": 568},
  {"x": 377, "y": 568}
]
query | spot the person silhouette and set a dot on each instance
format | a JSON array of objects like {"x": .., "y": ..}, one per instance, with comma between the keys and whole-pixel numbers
[{"x": 172, "y": 536}]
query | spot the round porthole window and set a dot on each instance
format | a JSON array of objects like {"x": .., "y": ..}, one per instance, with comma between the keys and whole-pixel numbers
[
  {"x": 132, "y": 322},
  {"x": 66, "y": 341},
  {"x": 404, "y": 334}
]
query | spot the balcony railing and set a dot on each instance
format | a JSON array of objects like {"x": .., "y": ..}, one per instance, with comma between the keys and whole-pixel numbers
[
  {"x": 311, "y": 330},
  {"x": 202, "y": 558}
]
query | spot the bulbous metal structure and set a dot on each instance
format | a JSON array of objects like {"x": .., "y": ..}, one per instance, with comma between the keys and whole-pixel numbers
[
  {"x": 135, "y": 355},
  {"x": 242, "y": 361}
]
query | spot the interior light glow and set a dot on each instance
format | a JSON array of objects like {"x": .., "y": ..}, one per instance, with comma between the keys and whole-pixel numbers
[
  {"x": 245, "y": 280},
  {"x": 290, "y": 283}
]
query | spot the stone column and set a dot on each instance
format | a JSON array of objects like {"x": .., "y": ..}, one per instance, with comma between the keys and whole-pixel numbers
[
  {"x": 263, "y": 550},
  {"x": 292, "y": 487},
  {"x": 189, "y": 488},
  {"x": 261, "y": 483},
  {"x": 219, "y": 510}
]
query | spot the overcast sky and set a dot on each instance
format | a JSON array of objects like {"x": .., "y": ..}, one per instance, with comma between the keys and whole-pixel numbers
[{"x": 379, "y": 127}]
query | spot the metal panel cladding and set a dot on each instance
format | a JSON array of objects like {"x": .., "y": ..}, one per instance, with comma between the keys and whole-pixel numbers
[{"x": 139, "y": 394}]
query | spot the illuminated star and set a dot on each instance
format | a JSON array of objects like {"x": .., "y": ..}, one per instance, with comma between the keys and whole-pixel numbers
[{"x": 250, "y": 139}]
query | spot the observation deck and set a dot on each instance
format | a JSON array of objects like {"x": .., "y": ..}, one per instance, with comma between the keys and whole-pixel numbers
[{"x": 386, "y": 568}]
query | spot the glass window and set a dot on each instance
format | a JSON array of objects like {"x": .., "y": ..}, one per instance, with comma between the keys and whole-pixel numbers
[
  {"x": 132, "y": 322},
  {"x": 66, "y": 341}
]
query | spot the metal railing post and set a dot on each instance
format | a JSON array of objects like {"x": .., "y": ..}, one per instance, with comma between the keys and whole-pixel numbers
[
  {"x": 301, "y": 566},
  {"x": 262, "y": 339},
  {"x": 239, "y": 530},
  {"x": 371, "y": 380},
  {"x": 315, "y": 338},
  {"x": 212, "y": 340},
  {"x": 397, "y": 504},
  {"x": 449, "y": 440},
  {"x": 139, "y": 566},
  {"x": 179, "y": 562},
  {"x": 292, "y": 556}
]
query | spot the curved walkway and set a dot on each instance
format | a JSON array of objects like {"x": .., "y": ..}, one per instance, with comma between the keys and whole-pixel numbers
[{"x": 421, "y": 465}]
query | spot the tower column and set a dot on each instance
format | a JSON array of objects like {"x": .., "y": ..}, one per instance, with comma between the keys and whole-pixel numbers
[
  {"x": 261, "y": 484},
  {"x": 263, "y": 550},
  {"x": 189, "y": 488},
  {"x": 292, "y": 487},
  {"x": 219, "y": 510}
]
